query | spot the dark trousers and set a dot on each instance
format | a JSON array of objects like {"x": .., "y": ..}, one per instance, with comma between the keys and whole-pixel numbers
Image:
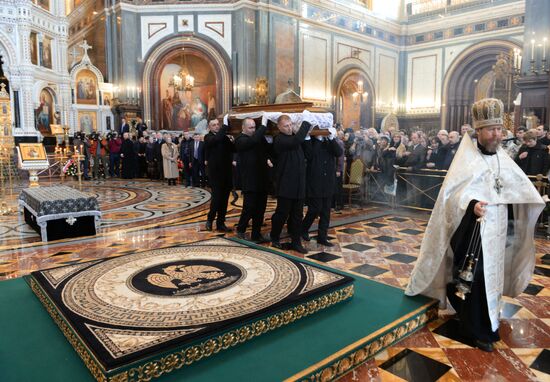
[
  {"x": 473, "y": 312},
  {"x": 291, "y": 210},
  {"x": 187, "y": 172},
  {"x": 338, "y": 197},
  {"x": 198, "y": 173},
  {"x": 160, "y": 170},
  {"x": 218, "y": 204},
  {"x": 114, "y": 164},
  {"x": 254, "y": 204},
  {"x": 318, "y": 207}
]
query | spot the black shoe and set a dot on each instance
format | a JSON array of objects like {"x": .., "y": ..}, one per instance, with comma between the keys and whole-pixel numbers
[
  {"x": 305, "y": 236},
  {"x": 276, "y": 244},
  {"x": 223, "y": 228},
  {"x": 259, "y": 239},
  {"x": 241, "y": 235},
  {"x": 208, "y": 226},
  {"x": 298, "y": 248},
  {"x": 485, "y": 346},
  {"x": 325, "y": 242}
]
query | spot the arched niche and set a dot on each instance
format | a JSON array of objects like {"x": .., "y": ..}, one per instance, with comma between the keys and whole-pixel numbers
[
  {"x": 211, "y": 93},
  {"x": 462, "y": 81},
  {"x": 355, "y": 99}
]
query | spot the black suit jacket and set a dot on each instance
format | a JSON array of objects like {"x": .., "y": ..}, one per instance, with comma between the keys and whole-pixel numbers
[
  {"x": 417, "y": 158},
  {"x": 218, "y": 153},
  {"x": 321, "y": 167},
  {"x": 200, "y": 151},
  {"x": 253, "y": 154},
  {"x": 124, "y": 129},
  {"x": 290, "y": 164}
]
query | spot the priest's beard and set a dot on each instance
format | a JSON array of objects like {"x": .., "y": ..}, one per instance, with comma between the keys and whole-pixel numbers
[{"x": 492, "y": 145}]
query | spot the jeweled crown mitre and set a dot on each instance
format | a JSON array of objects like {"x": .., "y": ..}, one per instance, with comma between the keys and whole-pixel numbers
[{"x": 487, "y": 112}]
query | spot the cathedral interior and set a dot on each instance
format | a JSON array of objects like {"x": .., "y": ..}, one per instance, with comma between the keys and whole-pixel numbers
[{"x": 112, "y": 266}]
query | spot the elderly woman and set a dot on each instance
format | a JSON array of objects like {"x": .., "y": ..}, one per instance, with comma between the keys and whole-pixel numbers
[{"x": 170, "y": 160}]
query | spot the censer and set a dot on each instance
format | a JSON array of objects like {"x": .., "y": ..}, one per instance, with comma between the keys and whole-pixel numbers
[{"x": 469, "y": 265}]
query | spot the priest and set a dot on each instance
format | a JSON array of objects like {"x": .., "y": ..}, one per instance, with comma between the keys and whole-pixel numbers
[{"x": 479, "y": 244}]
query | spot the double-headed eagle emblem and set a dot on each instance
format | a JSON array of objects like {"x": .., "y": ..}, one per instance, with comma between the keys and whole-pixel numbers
[{"x": 177, "y": 276}]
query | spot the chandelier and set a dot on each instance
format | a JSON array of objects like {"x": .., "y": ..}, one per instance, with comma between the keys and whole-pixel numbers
[{"x": 183, "y": 80}]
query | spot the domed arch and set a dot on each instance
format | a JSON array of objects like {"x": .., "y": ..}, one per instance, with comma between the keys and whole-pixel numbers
[
  {"x": 343, "y": 83},
  {"x": 198, "y": 46},
  {"x": 460, "y": 80}
]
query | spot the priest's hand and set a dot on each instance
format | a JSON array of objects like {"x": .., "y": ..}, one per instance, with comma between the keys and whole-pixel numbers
[{"x": 479, "y": 209}]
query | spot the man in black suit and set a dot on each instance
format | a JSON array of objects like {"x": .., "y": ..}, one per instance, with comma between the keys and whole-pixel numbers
[
  {"x": 417, "y": 156},
  {"x": 415, "y": 159},
  {"x": 124, "y": 127},
  {"x": 252, "y": 149},
  {"x": 196, "y": 153},
  {"x": 321, "y": 154},
  {"x": 218, "y": 147},
  {"x": 186, "y": 144},
  {"x": 290, "y": 181},
  {"x": 157, "y": 155},
  {"x": 140, "y": 127}
]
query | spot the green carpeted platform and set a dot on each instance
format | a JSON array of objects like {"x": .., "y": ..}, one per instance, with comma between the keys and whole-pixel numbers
[{"x": 318, "y": 347}]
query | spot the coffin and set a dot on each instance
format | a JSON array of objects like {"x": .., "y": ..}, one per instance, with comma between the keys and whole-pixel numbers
[{"x": 235, "y": 122}]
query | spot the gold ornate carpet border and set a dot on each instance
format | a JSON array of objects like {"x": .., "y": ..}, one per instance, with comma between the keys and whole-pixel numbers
[
  {"x": 177, "y": 359},
  {"x": 355, "y": 354}
]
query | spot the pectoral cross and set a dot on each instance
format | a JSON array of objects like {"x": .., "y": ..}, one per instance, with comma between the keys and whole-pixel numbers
[{"x": 498, "y": 185}]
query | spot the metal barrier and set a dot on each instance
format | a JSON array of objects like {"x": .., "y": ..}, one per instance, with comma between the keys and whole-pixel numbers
[{"x": 419, "y": 190}]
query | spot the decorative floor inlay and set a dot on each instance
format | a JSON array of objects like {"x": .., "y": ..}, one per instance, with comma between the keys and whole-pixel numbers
[{"x": 522, "y": 355}]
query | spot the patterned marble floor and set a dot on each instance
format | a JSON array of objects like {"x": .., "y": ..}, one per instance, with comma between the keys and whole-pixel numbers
[{"x": 373, "y": 243}]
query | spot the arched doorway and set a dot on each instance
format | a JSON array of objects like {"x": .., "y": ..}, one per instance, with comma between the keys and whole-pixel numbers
[
  {"x": 176, "y": 104},
  {"x": 355, "y": 100},
  {"x": 473, "y": 75}
]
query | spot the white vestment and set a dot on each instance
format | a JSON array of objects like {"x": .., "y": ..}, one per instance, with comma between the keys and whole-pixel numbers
[{"x": 508, "y": 257}]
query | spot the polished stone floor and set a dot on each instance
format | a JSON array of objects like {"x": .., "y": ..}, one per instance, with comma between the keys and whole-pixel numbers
[{"x": 371, "y": 242}]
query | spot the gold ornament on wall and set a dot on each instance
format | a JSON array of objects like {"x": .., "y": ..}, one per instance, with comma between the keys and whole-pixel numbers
[{"x": 262, "y": 91}]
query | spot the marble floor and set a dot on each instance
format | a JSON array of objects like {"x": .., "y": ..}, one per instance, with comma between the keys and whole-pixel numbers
[{"x": 371, "y": 242}]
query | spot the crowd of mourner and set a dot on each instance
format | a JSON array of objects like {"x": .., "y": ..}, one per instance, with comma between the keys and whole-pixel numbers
[{"x": 293, "y": 166}]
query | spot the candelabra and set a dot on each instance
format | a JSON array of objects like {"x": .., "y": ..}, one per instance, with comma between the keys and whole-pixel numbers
[{"x": 536, "y": 51}]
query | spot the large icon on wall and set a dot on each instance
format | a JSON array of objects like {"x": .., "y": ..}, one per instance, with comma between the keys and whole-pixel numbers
[
  {"x": 44, "y": 112},
  {"x": 86, "y": 86},
  {"x": 34, "y": 48},
  {"x": 87, "y": 121},
  {"x": 187, "y": 93},
  {"x": 46, "y": 53}
]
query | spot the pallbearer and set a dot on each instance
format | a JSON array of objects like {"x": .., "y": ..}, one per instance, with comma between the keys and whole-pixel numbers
[
  {"x": 290, "y": 180},
  {"x": 218, "y": 147},
  {"x": 479, "y": 242},
  {"x": 253, "y": 149},
  {"x": 321, "y": 154}
]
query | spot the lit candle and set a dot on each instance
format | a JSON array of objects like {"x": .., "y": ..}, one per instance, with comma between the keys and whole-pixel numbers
[
  {"x": 532, "y": 50},
  {"x": 544, "y": 48}
]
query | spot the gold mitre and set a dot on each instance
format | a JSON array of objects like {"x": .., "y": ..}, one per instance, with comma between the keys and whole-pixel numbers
[{"x": 488, "y": 112}]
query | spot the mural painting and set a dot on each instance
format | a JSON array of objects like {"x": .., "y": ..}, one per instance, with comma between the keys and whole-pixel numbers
[
  {"x": 34, "y": 48},
  {"x": 86, "y": 85},
  {"x": 186, "y": 108},
  {"x": 46, "y": 53},
  {"x": 44, "y": 112},
  {"x": 87, "y": 121}
]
